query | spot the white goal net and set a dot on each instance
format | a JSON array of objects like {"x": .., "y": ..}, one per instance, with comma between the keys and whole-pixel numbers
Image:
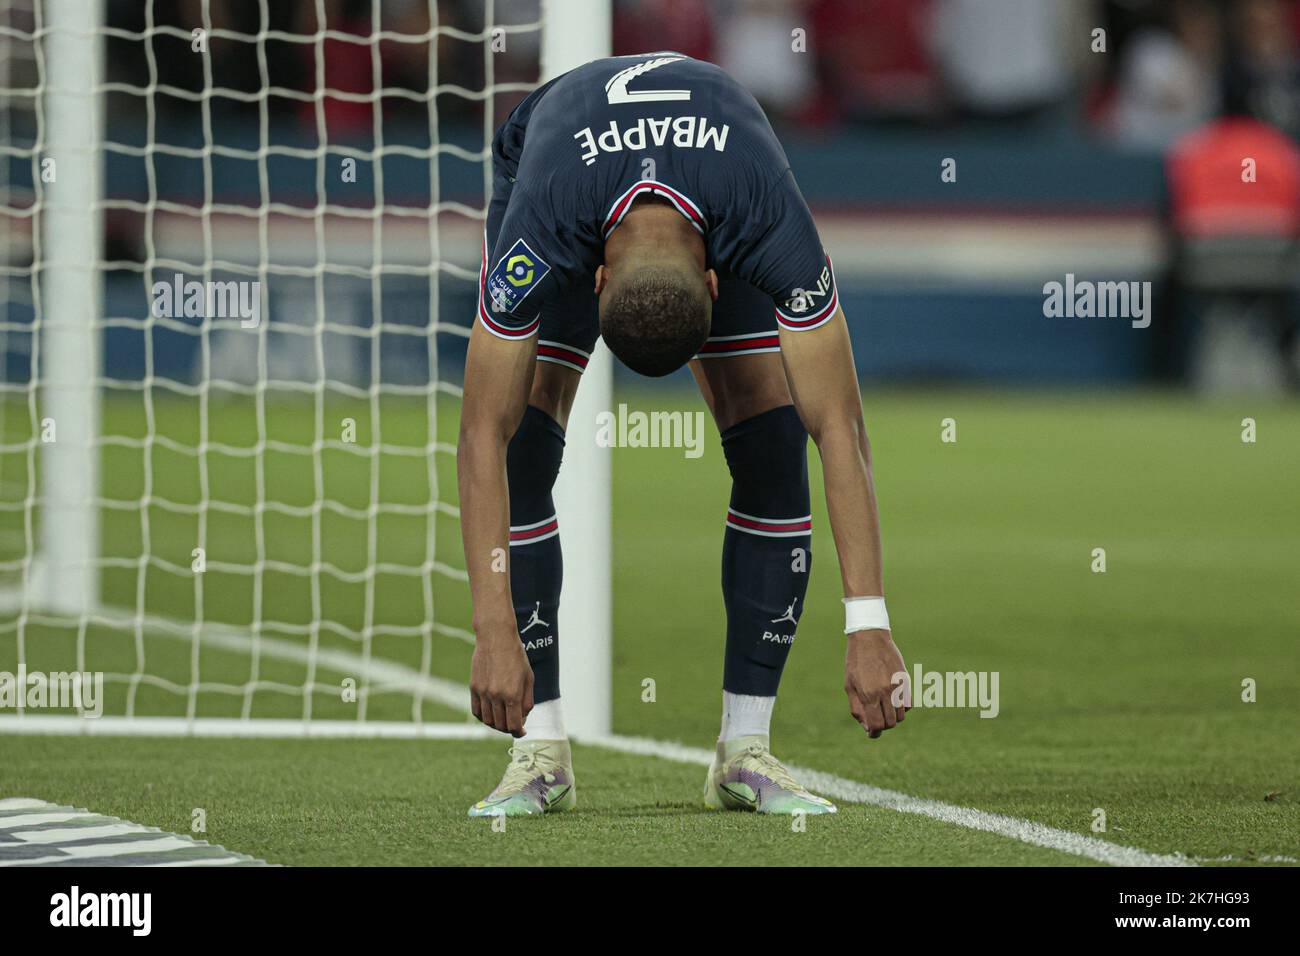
[{"x": 239, "y": 264}]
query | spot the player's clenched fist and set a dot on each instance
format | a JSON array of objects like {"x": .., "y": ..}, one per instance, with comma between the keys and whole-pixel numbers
[
  {"x": 501, "y": 681},
  {"x": 875, "y": 680}
]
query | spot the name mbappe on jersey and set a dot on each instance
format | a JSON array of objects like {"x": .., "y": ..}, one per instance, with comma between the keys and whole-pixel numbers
[{"x": 583, "y": 147}]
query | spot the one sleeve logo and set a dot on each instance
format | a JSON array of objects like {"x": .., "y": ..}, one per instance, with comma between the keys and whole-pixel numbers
[
  {"x": 515, "y": 275},
  {"x": 804, "y": 299}
]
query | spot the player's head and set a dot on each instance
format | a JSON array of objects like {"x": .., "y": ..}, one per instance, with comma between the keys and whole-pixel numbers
[
  {"x": 654, "y": 314},
  {"x": 656, "y": 298}
]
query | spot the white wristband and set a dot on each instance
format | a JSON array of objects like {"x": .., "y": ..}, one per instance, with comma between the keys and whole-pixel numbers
[{"x": 865, "y": 614}]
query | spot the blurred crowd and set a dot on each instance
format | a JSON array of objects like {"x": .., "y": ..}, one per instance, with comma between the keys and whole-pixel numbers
[{"x": 1139, "y": 72}]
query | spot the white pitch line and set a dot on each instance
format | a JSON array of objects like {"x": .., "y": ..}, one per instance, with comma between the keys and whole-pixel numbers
[
  {"x": 21, "y": 803},
  {"x": 164, "y": 844},
  {"x": 457, "y": 695},
  {"x": 851, "y": 791},
  {"x": 73, "y": 834},
  {"x": 393, "y": 675},
  {"x": 30, "y": 819},
  {"x": 239, "y": 727}
]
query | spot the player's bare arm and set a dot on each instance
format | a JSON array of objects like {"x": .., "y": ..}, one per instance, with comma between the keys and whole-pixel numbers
[
  {"x": 824, "y": 385},
  {"x": 498, "y": 375}
]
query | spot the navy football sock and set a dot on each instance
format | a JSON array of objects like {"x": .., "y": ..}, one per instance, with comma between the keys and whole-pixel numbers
[
  {"x": 767, "y": 548},
  {"x": 536, "y": 569}
]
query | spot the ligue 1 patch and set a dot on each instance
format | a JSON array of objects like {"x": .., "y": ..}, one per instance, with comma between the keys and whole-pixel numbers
[{"x": 515, "y": 275}]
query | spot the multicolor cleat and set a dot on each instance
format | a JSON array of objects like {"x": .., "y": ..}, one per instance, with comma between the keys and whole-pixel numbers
[
  {"x": 745, "y": 776},
  {"x": 538, "y": 780}
]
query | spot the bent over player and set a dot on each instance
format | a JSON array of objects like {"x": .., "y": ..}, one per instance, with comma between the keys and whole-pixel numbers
[{"x": 647, "y": 201}]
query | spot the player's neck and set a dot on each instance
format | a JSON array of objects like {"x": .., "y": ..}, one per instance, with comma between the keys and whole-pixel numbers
[{"x": 653, "y": 226}]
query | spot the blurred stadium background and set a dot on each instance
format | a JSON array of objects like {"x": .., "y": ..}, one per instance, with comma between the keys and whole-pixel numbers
[
  {"x": 1071, "y": 158},
  {"x": 1061, "y": 157}
]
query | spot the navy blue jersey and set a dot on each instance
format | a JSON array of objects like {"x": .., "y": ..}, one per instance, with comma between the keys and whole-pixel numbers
[{"x": 574, "y": 155}]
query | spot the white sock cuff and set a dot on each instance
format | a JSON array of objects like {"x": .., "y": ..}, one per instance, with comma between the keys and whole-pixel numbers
[
  {"x": 745, "y": 715},
  {"x": 545, "y": 722},
  {"x": 746, "y": 703}
]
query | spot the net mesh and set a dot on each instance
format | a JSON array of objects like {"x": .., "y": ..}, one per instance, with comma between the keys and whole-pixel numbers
[{"x": 292, "y": 200}]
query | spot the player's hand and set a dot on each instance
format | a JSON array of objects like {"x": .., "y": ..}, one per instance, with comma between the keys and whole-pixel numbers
[
  {"x": 501, "y": 680},
  {"x": 878, "y": 697}
]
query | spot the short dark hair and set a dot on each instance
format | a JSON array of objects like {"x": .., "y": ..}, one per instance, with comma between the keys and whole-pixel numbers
[{"x": 656, "y": 319}]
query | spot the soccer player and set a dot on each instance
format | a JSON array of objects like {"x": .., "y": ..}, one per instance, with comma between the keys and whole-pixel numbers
[{"x": 647, "y": 201}]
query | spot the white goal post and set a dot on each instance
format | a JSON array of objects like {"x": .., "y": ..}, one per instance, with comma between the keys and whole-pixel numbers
[
  {"x": 203, "y": 536},
  {"x": 577, "y": 33}
]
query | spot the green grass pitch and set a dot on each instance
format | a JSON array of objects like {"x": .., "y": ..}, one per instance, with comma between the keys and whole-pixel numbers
[{"x": 1119, "y": 690}]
